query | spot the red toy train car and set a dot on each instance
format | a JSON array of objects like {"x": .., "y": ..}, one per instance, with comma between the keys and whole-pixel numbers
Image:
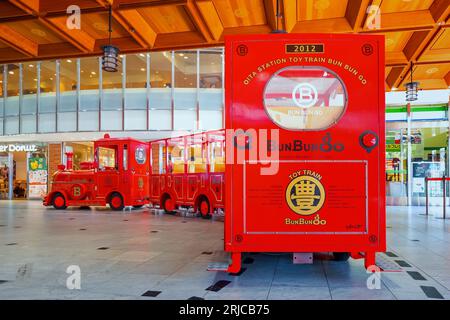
[
  {"x": 119, "y": 176},
  {"x": 177, "y": 172}
]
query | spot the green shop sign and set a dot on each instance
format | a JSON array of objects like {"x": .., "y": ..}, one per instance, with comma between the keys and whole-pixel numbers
[
  {"x": 35, "y": 164},
  {"x": 392, "y": 148}
]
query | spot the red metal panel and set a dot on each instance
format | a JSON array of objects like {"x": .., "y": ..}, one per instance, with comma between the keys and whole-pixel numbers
[{"x": 325, "y": 95}]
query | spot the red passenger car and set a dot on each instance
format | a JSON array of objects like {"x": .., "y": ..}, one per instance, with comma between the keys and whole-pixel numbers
[
  {"x": 321, "y": 98},
  {"x": 189, "y": 172},
  {"x": 118, "y": 177}
]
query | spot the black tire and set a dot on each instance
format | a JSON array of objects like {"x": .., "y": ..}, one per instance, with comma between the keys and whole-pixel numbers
[
  {"x": 116, "y": 202},
  {"x": 341, "y": 256},
  {"x": 56, "y": 201},
  {"x": 205, "y": 202},
  {"x": 138, "y": 206}
]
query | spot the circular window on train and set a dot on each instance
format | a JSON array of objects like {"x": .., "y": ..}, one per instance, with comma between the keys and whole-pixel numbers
[{"x": 305, "y": 98}]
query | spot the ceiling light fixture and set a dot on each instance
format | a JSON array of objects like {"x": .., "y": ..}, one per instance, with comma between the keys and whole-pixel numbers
[
  {"x": 412, "y": 88},
  {"x": 110, "y": 60}
]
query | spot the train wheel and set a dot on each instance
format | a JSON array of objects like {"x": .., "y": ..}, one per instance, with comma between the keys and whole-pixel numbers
[
  {"x": 168, "y": 205},
  {"x": 204, "y": 209},
  {"x": 341, "y": 256},
  {"x": 116, "y": 202},
  {"x": 59, "y": 202}
]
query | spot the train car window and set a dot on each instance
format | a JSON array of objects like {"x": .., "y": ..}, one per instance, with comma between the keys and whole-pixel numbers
[
  {"x": 176, "y": 158},
  {"x": 217, "y": 158},
  {"x": 305, "y": 98},
  {"x": 158, "y": 158},
  {"x": 197, "y": 159},
  {"x": 107, "y": 158},
  {"x": 125, "y": 157}
]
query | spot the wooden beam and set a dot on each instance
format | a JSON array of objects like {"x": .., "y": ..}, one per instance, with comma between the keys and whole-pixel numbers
[
  {"x": 77, "y": 37},
  {"x": 415, "y": 43},
  {"x": 17, "y": 41},
  {"x": 179, "y": 39},
  {"x": 335, "y": 25},
  {"x": 393, "y": 76},
  {"x": 211, "y": 18},
  {"x": 402, "y": 20},
  {"x": 246, "y": 30},
  {"x": 440, "y": 10},
  {"x": 198, "y": 21},
  {"x": 447, "y": 79},
  {"x": 289, "y": 14},
  {"x": 11, "y": 55},
  {"x": 57, "y": 50},
  {"x": 270, "y": 8},
  {"x": 136, "y": 26},
  {"x": 29, "y": 6},
  {"x": 356, "y": 12}
]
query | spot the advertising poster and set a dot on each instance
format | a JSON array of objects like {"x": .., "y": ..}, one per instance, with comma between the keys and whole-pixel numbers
[{"x": 37, "y": 177}]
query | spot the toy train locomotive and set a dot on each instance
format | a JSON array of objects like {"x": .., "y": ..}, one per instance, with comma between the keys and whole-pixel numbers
[{"x": 184, "y": 171}]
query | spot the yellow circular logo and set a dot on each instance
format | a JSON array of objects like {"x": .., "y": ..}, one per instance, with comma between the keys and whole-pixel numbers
[{"x": 305, "y": 195}]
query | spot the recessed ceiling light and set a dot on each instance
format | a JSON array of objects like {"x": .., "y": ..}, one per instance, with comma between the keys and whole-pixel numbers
[
  {"x": 142, "y": 69},
  {"x": 186, "y": 57},
  {"x": 69, "y": 61},
  {"x": 432, "y": 70},
  {"x": 393, "y": 88},
  {"x": 38, "y": 32},
  {"x": 11, "y": 72},
  {"x": 31, "y": 66},
  {"x": 142, "y": 55},
  {"x": 181, "y": 54},
  {"x": 93, "y": 72}
]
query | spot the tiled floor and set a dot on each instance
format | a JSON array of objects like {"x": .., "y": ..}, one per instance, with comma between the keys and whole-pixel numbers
[{"x": 144, "y": 251}]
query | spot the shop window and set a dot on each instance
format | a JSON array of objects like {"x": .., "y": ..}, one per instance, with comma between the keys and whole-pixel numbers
[
  {"x": 210, "y": 93},
  {"x": 89, "y": 94},
  {"x": 305, "y": 98},
  {"x": 136, "y": 92},
  {"x": 67, "y": 105},
  {"x": 185, "y": 90},
  {"x": 160, "y": 97},
  {"x": 12, "y": 107},
  {"x": 47, "y": 97}
]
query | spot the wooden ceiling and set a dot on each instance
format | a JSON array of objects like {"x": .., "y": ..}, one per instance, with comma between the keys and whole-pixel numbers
[{"x": 417, "y": 31}]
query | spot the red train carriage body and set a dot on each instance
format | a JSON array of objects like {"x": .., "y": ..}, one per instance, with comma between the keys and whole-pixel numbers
[
  {"x": 118, "y": 177},
  {"x": 189, "y": 172},
  {"x": 325, "y": 96}
]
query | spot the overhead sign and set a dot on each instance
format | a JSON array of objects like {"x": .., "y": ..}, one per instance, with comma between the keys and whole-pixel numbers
[{"x": 18, "y": 147}]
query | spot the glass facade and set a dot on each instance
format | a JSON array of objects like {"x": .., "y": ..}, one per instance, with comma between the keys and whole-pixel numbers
[
  {"x": 416, "y": 148},
  {"x": 173, "y": 90}
]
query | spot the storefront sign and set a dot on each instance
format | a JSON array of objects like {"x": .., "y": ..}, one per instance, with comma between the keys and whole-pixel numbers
[
  {"x": 35, "y": 164},
  {"x": 392, "y": 148},
  {"x": 18, "y": 147}
]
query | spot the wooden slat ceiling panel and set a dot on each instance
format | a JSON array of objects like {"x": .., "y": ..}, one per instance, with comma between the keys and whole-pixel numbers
[
  {"x": 35, "y": 31},
  {"x": 417, "y": 31}
]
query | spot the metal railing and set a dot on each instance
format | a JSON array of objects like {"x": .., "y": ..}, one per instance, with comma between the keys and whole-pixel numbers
[{"x": 444, "y": 193}]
